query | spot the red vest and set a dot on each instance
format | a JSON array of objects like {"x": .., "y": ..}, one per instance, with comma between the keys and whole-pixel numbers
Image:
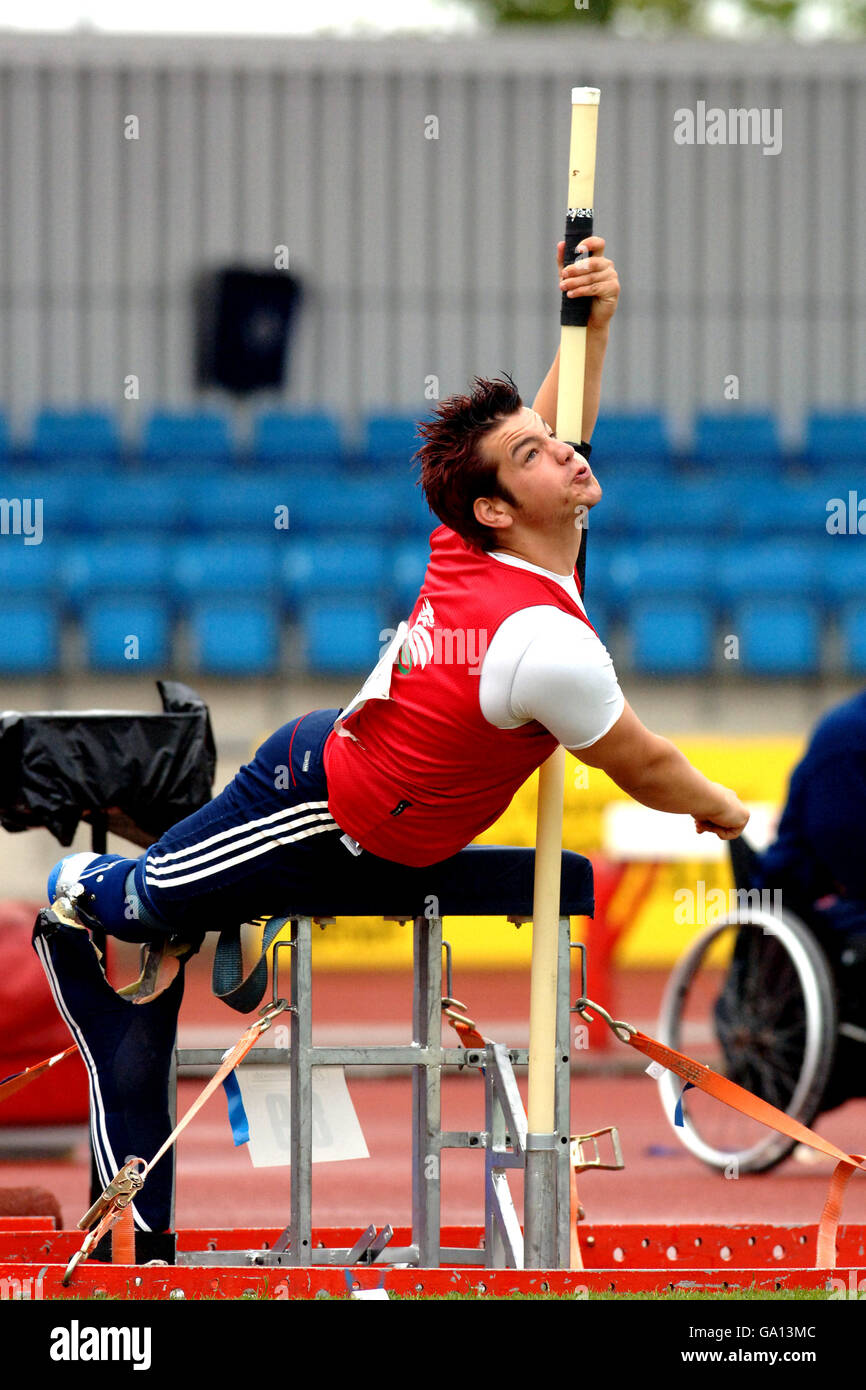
[{"x": 428, "y": 773}]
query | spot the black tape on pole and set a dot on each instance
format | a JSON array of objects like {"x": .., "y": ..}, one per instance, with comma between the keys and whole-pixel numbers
[{"x": 574, "y": 313}]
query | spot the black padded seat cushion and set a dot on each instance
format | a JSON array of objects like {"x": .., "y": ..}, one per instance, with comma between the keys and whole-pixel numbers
[{"x": 483, "y": 880}]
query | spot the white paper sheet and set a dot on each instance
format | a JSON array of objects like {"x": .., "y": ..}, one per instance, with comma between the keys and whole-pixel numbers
[{"x": 266, "y": 1092}]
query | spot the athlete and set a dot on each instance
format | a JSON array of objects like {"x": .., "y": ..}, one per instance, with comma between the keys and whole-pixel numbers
[
  {"x": 817, "y": 856},
  {"x": 497, "y": 663}
]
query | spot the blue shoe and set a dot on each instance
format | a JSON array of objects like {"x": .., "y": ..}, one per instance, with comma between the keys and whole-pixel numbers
[
  {"x": 87, "y": 891},
  {"x": 67, "y": 873}
]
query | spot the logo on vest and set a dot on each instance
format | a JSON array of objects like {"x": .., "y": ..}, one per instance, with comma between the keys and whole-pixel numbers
[{"x": 446, "y": 646}]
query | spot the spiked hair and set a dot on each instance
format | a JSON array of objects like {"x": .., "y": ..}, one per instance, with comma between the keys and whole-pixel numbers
[{"x": 452, "y": 471}]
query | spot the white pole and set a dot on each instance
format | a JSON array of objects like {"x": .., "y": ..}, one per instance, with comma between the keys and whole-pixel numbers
[{"x": 541, "y": 1196}]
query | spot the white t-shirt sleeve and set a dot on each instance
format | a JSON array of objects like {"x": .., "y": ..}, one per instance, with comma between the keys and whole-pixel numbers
[{"x": 545, "y": 664}]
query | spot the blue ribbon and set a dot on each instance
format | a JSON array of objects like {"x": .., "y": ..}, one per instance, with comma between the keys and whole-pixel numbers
[
  {"x": 237, "y": 1114},
  {"x": 678, "y": 1113}
]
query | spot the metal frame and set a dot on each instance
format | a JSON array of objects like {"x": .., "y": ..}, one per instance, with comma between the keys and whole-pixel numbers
[
  {"x": 641, "y": 1256},
  {"x": 502, "y": 1140},
  {"x": 234, "y": 1281}
]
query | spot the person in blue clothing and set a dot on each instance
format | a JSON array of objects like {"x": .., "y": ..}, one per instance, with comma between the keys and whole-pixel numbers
[
  {"x": 818, "y": 858},
  {"x": 818, "y": 862}
]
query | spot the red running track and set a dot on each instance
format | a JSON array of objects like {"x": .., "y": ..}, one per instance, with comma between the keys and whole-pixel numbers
[{"x": 217, "y": 1185}]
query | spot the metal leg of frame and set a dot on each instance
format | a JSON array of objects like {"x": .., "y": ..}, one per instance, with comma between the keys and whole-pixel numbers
[
  {"x": 505, "y": 1124},
  {"x": 494, "y": 1124},
  {"x": 562, "y": 1099},
  {"x": 427, "y": 1092},
  {"x": 301, "y": 1244}
]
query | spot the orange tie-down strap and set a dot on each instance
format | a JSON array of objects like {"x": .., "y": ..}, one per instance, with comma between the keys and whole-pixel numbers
[
  {"x": 740, "y": 1099},
  {"x": 20, "y": 1079},
  {"x": 110, "y": 1206}
]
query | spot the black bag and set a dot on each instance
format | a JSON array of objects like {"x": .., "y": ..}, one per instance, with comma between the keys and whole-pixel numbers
[{"x": 60, "y": 767}]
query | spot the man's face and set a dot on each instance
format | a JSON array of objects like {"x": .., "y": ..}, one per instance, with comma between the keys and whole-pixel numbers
[{"x": 552, "y": 484}]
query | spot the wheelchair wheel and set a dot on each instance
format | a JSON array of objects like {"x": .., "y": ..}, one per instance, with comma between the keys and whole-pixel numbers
[{"x": 754, "y": 999}]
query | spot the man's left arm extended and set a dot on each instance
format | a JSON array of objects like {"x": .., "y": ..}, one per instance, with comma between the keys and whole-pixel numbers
[{"x": 594, "y": 277}]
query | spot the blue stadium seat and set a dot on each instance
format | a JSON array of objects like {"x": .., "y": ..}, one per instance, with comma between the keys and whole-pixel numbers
[
  {"x": 107, "y": 565},
  {"x": 343, "y": 635},
  {"x": 853, "y": 630},
  {"x": 323, "y": 566},
  {"x": 361, "y": 504},
  {"x": 773, "y": 568},
  {"x": 844, "y": 500},
  {"x": 391, "y": 438},
  {"x": 410, "y": 514},
  {"x": 407, "y": 573},
  {"x": 288, "y": 436},
  {"x": 835, "y": 437},
  {"x": 618, "y": 477},
  {"x": 26, "y": 570},
  {"x": 742, "y": 441},
  {"x": 261, "y": 504},
  {"x": 130, "y": 502},
  {"x": 611, "y": 518},
  {"x": 662, "y": 507},
  {"x": 631, "y": 436},
  {"x": 653, "y": 568},
  {"x": 126, "y": 634},
  {"x": 671, "y": 637},
  {"x": 44, "y": 499},
  {"x": 778, "y": 506},
  {"x": 76, "y": 434},
  {"x": 777, "y": 637},
  {"x": 843, "y": 571},
  {"x": 235, "y": 637},
  {"x": 600, "y": 615},
  {"x": 217, "y": 565},
  {"x": 178, "y": 436},
  {"x": 602, "y": 566},
  {"x": 29, "y": 637}
]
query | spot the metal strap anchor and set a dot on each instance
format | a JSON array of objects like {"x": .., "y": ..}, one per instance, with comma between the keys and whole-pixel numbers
[
  {"x": 119, "y": 1192},
  {"x": 465, "y": 1027},
  {"x": 580, "y": 1162},
  {"x": 107, "y": 1209},
  {"x": 455, "y": 1012},
  {"x": 622, "y": 1030},
  {"x": 130, "y": 1180}
]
